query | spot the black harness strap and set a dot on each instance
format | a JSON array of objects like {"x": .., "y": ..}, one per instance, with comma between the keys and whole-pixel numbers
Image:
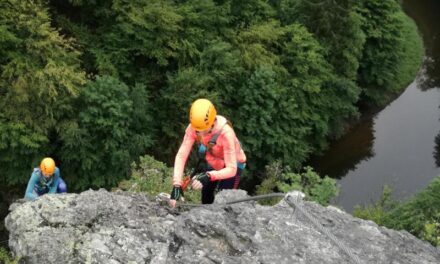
[
  {"x": 213, "y": 140},
  {"x": 202, "y": 164}
]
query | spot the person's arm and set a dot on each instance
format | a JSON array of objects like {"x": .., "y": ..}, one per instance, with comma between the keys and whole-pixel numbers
[
  {"x": 29, "y": 194},
  {"x": 230, "y": 157},
  {"x": 182, "y": 156},
  {"x": 56, "y": 180}
]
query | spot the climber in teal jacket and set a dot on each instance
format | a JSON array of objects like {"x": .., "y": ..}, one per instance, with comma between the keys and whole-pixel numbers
[{"x": 45, "y": 179}]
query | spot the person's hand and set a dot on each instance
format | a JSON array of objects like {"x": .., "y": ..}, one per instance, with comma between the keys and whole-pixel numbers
[
  {"x": 200, "y": 180},
  {"x": 176, "y": 193}
]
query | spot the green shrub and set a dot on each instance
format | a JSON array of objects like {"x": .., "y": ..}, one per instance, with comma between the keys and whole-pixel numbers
[
  {"x": 431, "y": 231},
  {"x": 7, "y": 258},
  {"x": 316, "y": 188},
  {"x": 378, "y": 211},
  {"x": 420, "y": 215},
  {"x": 153, "y": 177}
]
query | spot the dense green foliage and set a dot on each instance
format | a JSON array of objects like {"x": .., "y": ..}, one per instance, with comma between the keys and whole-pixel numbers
[
  {"x": 390, "y": 48},
  {"x": 118, "y": 82},
  {"x": 280, "y": 179},
  {"x": 109, "y": 126},
  {"x": 420, "y": 215},
  {"x": 39, "y": 75}
]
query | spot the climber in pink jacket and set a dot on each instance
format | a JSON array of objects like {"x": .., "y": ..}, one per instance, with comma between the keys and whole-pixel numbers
[{"x": 218, "y": 146}]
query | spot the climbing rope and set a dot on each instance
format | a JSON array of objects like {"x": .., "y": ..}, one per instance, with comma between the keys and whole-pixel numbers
[
  {"x": 165, "y": 197},
  {"x": 257, "y": 197}
]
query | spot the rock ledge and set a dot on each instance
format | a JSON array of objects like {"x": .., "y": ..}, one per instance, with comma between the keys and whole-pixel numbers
[{"x": 105, "y": 227}]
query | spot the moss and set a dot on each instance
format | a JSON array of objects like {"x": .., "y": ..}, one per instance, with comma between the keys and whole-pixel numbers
[{"x": 7, "y": 258}]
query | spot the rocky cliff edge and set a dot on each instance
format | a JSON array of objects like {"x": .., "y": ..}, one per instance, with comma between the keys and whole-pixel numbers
[{"x": 119, "y": 227}]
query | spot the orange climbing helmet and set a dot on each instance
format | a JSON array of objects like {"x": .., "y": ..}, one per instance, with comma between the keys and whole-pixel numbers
[
  {"x": 47, "y": 166},
  {"x": 202, "y": 114}
]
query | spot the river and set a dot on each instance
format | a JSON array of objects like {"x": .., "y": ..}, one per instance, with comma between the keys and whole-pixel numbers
[{"x": 400, "y": 145}]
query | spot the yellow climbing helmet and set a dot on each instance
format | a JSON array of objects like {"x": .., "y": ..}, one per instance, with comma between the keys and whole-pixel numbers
[
  {"x": 202, "y": 114},
  {"x": 47, "y": 166}
]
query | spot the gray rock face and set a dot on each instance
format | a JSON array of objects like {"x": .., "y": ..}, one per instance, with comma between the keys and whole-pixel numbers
[{"x": 104, "y": 227}]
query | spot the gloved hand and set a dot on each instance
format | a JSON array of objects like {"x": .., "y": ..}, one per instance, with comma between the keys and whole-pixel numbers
[
  {"x": 200, "y": 180},
  {"x": 176, "y": 193}
]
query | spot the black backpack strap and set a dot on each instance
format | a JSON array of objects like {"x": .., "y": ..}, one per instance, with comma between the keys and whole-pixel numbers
[
  {"x": 213, "y": 140},
  {"x": 202, "y": 164}
]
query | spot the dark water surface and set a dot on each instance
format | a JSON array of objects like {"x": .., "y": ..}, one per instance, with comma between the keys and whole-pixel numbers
[{"x": 399, "y": 146}]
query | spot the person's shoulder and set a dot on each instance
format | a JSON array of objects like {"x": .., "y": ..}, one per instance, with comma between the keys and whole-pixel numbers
[
  {"x": 190, "y": 131},
  {"x": 57, "y": 172},
  {"x": 224, "y": 123},
  {"x": 221, "y": 120},
  {"x": 36, "y": 173},
  {"x": 226, "y": 127}
]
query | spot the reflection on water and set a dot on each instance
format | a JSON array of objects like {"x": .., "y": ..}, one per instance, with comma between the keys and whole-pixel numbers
[
  {"x": 427, "y": 79},
  {"x": 425, "y": 13},
  {"x": 400, "y": 146},
  {"x": 437, "y": 150},
  {"x": 344, "y": 154}
]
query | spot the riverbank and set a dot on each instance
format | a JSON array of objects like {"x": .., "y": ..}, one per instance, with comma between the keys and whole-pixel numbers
[
  {"x": 409, "y": 68},
  {"x": 393, "y": 145}
]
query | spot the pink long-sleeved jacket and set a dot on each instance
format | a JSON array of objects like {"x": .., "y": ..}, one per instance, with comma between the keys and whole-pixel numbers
[{"x": 223, "y": 157}]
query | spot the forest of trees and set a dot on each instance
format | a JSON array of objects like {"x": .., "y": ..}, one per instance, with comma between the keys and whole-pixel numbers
[{"x": 98, "y": 83}]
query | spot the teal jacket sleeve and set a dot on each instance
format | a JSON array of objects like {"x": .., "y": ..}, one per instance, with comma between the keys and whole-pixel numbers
[
  {"x": 30, "y": 195},
  {"x": 56, "y": 181}
]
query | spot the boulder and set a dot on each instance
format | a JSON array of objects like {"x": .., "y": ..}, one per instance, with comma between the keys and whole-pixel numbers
[{"x": 121, "y": 227}]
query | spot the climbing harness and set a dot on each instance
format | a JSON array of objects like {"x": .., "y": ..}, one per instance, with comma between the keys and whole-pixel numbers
[
  {"x": 202, "y": 164},
  {"x": 202, "y": 149},
  {"x": 211, "y": 142},
  {"x": 43, "y": 185}
]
